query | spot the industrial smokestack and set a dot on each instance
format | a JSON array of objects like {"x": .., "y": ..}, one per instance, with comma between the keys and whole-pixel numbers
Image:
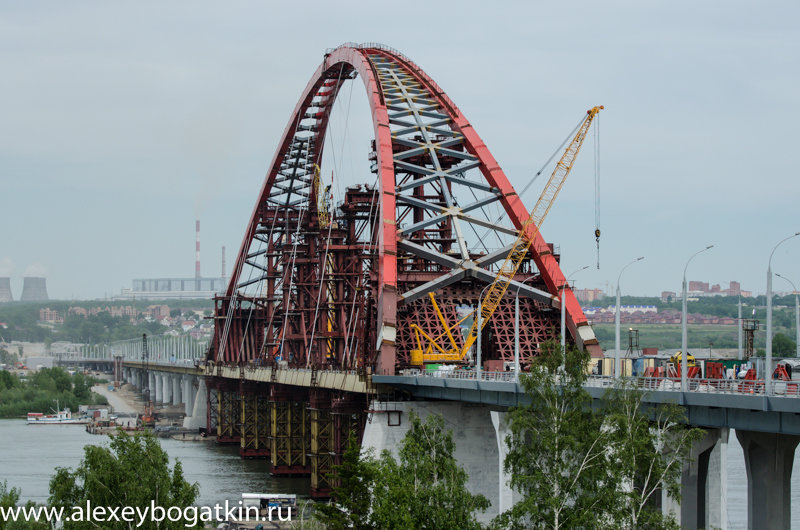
[
  {"x": 197, "y": 255},
  {"x": 34, "y": 289},
  {"x": 197, "y": 250},
  {"x": 5, "y": 290},
  {"x": 223, "y": 263}
]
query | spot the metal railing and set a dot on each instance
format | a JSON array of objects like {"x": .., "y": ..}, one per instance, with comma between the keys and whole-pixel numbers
[{"x": 660, "y": 384}]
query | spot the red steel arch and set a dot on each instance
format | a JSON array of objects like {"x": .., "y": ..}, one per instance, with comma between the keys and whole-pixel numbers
[{"x": 423, "y": 149}]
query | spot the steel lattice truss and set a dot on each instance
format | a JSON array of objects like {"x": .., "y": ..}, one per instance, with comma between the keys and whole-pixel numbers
[{"x": 342, "y": 294}]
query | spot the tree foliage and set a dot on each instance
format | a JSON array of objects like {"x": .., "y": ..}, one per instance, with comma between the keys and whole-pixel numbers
[
  {"x": 425, "y": 488},
  {"x": 578, "y": 467},
  {"x": 783, "y": 346},
  {"x": 132, "y": 471},
  {"x": 8, "y": 498},
  {"x": 649, "y": 446},
  {"x": 352, "y": 480},
  {"x": 45, "y": 390},
  {"x": 557, "y": 449}
]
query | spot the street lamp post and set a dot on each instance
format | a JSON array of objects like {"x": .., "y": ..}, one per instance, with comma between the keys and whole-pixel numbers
[
  {"x": 684, "y": 337},
  {"x": 768, "y": 369},
  {"x": 616, "y": 320},
  {"x": 478, "y": 347},
  {"x": 796, "y": 314},
  {"x": 564, "y": 312}
]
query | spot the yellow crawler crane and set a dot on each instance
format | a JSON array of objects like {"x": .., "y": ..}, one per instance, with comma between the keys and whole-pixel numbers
[{"x": 433, "y": 353}]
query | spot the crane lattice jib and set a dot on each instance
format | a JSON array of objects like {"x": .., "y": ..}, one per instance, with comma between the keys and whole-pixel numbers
[{"x": 529, "y": 229}]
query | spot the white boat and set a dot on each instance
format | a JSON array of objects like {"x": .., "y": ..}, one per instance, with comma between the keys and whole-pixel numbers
[{"x": 63, "y": 417}]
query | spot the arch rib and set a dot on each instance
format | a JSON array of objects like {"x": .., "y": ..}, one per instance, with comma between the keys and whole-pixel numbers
[{"x": 423, "y": 145}]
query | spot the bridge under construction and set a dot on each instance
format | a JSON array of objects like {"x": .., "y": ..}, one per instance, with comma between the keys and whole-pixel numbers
[{"x": 435, "y": 259}]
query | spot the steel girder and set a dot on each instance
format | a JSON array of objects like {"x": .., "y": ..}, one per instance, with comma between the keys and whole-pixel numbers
[
  {"x": 439, "y": 189},
  {"x": 255, "y": 421}
]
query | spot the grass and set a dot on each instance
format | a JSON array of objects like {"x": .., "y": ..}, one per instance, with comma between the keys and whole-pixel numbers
[{"x": 668, "y": 336}]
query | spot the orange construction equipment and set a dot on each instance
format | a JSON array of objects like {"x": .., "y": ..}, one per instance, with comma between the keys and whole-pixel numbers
[
  {"x": 781, "y": 374},
  {"x": 714, "y": 370},
  {"x": 674, "y": 371}
]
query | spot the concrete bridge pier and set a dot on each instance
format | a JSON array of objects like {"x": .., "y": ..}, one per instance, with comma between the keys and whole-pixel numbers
[
  {"x": 199, "y": 417},
  {"x": 703, "y": 484},
  {"x": 166, "y": 388},
  {"x": 768, "y": 458},
  {"x": 472, "y": 426},
  {"x": 158, "y": 381},
  {"x": 176, "y": 389},
  {"x": 188, "y": 394},
  {"x": 507, "y": 497}
]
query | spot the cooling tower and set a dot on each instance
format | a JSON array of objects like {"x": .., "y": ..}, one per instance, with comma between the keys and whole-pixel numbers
[
  {"x": 5, "y": 290},
  {"x": 34, "y": 289}
]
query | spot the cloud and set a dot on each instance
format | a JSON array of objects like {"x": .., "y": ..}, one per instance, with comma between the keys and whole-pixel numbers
[{"x": 6, "y": 266}]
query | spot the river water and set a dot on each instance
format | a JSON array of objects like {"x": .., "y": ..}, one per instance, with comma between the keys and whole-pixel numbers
[{"x": 30, "y": 454}]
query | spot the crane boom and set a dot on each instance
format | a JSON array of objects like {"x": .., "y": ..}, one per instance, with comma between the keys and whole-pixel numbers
[{"x": 527, "y": 234}]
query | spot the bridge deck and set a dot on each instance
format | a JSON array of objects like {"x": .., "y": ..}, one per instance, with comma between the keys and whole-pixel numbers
[{"x": 706, "y": 407}]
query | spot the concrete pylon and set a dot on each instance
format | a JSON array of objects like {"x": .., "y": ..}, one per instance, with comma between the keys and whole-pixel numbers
[
  {"x": 703, "y": 484},
  {"x": 471, "y": 426},
  {"x": 768, "y": 458},
  {"x": 166, "y": 386},
  {"x": 176, "y": 389},
  {"x": 502, "y": 430},
  {"x": 198, "y": 419}
]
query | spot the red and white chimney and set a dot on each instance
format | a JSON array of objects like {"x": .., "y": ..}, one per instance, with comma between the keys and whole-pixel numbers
[
  {"x": 197, "y": 250},
  {"x": 223, "y": 263}
]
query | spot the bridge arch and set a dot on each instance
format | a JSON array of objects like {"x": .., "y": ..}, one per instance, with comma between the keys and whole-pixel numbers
[{"x": 389, "y": 245}]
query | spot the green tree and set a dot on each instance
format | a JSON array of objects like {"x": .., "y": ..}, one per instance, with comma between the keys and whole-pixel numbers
[
  {"x": 558, "y": 456},
  {"x": 132, "y": 471},
  {"x": 579, "y": 467},
  {"x": 351, "y": 493},
  {"x": 649, "y": 448},
  {"x": 427, "y": 487},
  {"x": 7, "y": 380},
  {"x": 8, "y": 498},
  {"x": 783, "y": 346}
]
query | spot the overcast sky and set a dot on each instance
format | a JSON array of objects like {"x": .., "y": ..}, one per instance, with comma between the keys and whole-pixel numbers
[{"x": 121, "y": 123}]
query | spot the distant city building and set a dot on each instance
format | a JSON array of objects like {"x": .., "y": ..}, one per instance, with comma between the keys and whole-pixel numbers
[
  {"x": 699, "y": 289},
  {"x": 50, "y": 316},
  {"x": 157, "y": 312},
  {"x": 588, "y": 295},
  {"x": 668, "y": 296},
  {"x": 114, "y": 311},
  {"x": 623, "y": 309},
  {"x": 166, "y": 288}
]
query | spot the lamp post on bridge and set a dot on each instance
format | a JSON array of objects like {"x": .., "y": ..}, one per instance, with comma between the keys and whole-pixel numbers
[
  {"x": 617, "y": 319},
  {"x": 796, "y": 314},
  {"x": 768, "y": 370},
  {"x": 564, "y": 312},
  {"x": 684, "y": 336}
]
